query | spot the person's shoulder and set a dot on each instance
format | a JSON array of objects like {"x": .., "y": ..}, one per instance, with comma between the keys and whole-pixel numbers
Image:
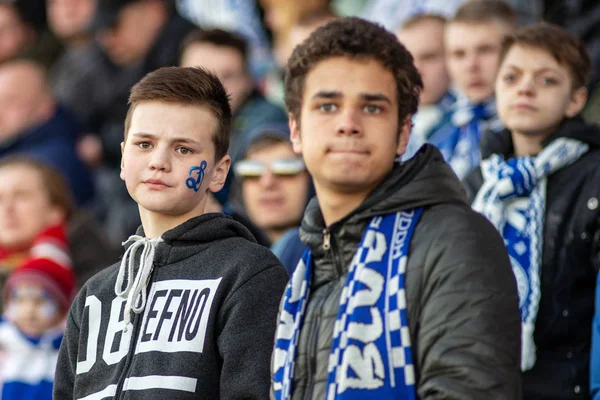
[
  {"x": 448, "y": 222},
  {"x": 242, "y": 250},
  {"x": 102, "y": 281}
]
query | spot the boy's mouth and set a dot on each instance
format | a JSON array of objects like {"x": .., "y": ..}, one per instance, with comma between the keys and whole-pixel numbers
[
  {"x": 155, "y": 183},
  {"x": 523, "y": 107}
]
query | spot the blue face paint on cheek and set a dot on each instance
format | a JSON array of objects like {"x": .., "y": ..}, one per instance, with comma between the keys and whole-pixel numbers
[{"x": 194, "y": 183}]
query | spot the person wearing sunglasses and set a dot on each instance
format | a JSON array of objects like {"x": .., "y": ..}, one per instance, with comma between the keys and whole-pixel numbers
[{"x": 275, "y": 188}]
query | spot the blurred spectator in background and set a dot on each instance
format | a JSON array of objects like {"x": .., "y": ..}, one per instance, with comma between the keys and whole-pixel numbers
[
  {"x": 36, "y": 212},
  {"x": 282, "y": 15},
  {"x": 37, "y": 295},
  {"x": 69, "y": 20},
  {"x": 31, "y": 122},
  {"x": 225, "y": 54},
  {"x": 23, "y": 32},
  {"x": 298, "y": 32},
  {"x": 435, "y": 100},
  {"x": 241, "y": 17},
  {"x": 472, "y": 43},
  {"x": 275, "y": 188}
]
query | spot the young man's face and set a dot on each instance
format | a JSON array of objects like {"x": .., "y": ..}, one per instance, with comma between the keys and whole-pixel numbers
[
  {"x": 133, "y": 34},
  {"x": 168, "y": 162},
  {"x": 348, "y": 131},
  {"x": 472, "y": 52},
  {"x": 70, "y": 18},
  {"x": 32, "y": 309},
  {"x": 275, "y": 199},
  {"x": 225, "y": 62},
  {"x": 534, "y": 92},
  {"x": 25, "y": 207},
  {"x": 429, "y": 57}
]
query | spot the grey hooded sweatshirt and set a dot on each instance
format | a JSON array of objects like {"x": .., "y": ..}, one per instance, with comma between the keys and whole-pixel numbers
[{"x": 206, "y": 329}]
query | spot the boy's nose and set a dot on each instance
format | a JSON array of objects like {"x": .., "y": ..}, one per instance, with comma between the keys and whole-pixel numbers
[
  {"x": 526, "y": 86},
  {"x": 349, "y": 123},
  {"x": 160, "y": 161},
  {"x": 267, "y": 179}
]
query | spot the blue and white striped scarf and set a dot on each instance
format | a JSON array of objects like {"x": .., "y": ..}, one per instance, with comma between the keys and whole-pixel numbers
[
  {"x": 371, "y": 355},
  {"x": 458, "y": 141},
  {"x": 513, "y": 198}
]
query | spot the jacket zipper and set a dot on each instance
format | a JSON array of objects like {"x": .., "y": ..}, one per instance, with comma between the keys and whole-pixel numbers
[
  {"x": 129, "y": 359},
  {"x": 329, "y": 245},
  {"x": 137, "y": 318}
]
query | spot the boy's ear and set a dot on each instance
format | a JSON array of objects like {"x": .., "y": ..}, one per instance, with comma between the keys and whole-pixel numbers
[
  {"x": 404, "y": 135},
  {"x": 219, "y": 174},
  {"x": 122, "y": 160},
  {"x": 295, "y": 134},
  {"x": 577, "y": 102}
]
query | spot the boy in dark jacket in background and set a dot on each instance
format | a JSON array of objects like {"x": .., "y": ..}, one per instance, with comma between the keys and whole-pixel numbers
[
  {"x": 191, "y": 309},
  {"x": 539, "y": 184}
]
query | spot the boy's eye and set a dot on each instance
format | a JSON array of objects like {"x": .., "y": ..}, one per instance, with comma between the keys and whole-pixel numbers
[
  {"x": 144, "y": 145},
  {"x": 509, "y": 78},
  {"x": 372, "y": 109},
  {"x": 549, "y": 81},
  {"x": 183, "y": 150},
  {"x": 327, "y": 107}
]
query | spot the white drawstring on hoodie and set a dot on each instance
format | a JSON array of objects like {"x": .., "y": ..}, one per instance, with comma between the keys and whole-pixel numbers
[{"x": 136, "y": 286}]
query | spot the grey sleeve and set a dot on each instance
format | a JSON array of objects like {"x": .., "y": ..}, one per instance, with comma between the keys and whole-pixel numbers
[
  {"x": 248, "y": 322},
  {"x": 468, "y": 345},
  {"x": 64, "y": 377}
]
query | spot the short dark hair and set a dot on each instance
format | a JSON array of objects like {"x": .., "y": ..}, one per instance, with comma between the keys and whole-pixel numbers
[
  {"x": 566, "y": 49},
  {"x": 354, "y": 38},
  {"x": 217, "y": 37},
  {"x": 482, "y": 11},
  {"x": 55, "y": 184},
  {"x": 190, "y": 86}
]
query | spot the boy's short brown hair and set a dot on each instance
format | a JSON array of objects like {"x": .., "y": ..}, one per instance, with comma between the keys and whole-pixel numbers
[
  {"x": 567, "y": 50},
  {"x": 54, "y": 183},
  {"x": 484, "y": 11},
  {"x": 353, "y": 38},
  {"x": 190, "y": 86}
]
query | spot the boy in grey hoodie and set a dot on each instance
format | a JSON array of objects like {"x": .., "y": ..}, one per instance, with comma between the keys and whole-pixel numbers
[{"x": 191, "y": 309}]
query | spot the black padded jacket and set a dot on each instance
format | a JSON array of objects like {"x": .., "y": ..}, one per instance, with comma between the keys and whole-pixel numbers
[
  {"x": 461, "y": 294},
  {"x": 570, "y": 262}
]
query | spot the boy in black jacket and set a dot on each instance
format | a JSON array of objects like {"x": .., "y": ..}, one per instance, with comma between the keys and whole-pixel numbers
[
  {"x": 539, "y": 185},
  {"x": 190, "y": 311}
]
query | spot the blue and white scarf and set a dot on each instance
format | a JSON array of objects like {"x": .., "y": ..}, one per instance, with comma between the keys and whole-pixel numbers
[
  {"x": 371, "y": 355},
  {"x": 513, "y": 198},
  {"x": 427, "y": 120},
  {"x": 458, "y": 141}
]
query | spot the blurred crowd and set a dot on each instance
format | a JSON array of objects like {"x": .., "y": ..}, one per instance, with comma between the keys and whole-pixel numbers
[{"x": 67, "y": 67}]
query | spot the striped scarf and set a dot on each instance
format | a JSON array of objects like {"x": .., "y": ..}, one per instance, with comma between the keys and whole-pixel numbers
[
  {"x": 513, "y": 198},
  {"x": 371, "y": 355}
]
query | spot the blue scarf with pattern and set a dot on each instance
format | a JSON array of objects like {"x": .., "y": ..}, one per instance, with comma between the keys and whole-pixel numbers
[
  {"x": 458, "y": 141},
  {"x": 371, "y": 355},
  {"x": 513, "y": 198}
]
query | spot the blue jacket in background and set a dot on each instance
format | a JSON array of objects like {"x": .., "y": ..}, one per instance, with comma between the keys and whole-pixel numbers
[
  {"x": 30, "y": 363},
  {"x": 54, "y": 143}
]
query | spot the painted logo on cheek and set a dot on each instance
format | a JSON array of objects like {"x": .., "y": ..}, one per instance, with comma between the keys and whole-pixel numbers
[{"x": 194, "y": 183}]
